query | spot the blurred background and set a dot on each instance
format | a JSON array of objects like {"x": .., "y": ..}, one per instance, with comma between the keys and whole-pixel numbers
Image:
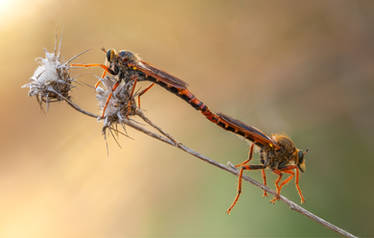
[{"x": 295, "y": 67}]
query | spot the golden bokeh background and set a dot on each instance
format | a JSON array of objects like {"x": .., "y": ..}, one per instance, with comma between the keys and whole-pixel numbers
[{"x": 295, "y": 67}]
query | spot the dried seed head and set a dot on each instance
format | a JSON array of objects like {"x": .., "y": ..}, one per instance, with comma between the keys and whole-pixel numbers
[
  {"x": 52, "y": 77},
  {"x": 120, "y": 106}
]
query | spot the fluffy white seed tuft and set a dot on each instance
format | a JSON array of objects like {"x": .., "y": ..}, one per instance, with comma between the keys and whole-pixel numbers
[{"x": 51, "y": 79}]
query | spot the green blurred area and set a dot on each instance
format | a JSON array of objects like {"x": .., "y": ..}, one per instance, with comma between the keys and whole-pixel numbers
[{"x": 300, "y": 68}]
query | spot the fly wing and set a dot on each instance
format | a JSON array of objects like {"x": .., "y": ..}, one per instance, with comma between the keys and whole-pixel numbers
[
  {"x": 249, "y": 132},
  {"x": 159, "y": 74}
]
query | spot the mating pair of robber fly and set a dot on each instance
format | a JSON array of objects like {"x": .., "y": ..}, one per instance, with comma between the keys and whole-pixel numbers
[{"x": 277, "y": 152}]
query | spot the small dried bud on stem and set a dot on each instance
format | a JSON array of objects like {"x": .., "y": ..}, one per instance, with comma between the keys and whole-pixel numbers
[{"x": 121, "y": 104}]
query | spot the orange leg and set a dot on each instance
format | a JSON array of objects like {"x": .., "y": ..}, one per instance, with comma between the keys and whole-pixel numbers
[
  {"x": 106, "y": 69},
  {"x": 133, "y": 87},
  {"x": 92, "y": 65},
  {"x": 131, "y": 95},
  {"x": 244, "y": 167},
  {"x": 264, "y": 178},
  {"x": 289, "y": 171},
  {"x": 249, "y": 157},
  {"x": 298, "y": 187},
  {"x": 287, "y": 180},
  {"x": 239, "y": 190},
  {"x": 109, "y": 97},
  {"x": 288, "y": 168},
  {"x": 144, "y": 91},
  {"x": 276, "y": 197},
  {"x": 99, "y": 81}
]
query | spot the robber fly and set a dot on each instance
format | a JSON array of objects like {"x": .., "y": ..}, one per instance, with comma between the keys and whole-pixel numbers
[
  {"x": 128, "y": 66},
  {"x": 277, "y": 153}
]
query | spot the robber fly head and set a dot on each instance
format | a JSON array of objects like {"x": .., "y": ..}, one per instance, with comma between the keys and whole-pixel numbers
[
  {"x": 301, "y": 160},
  {"x": 289, "y": 153},
  {"x": 111, "y": 55},
  {"x": 120, "y": 60},
  {"x": 122, "y": 56}
]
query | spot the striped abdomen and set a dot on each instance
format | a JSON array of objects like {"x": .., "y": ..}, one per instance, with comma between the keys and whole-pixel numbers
[
  {"x": 179, "y": 88},
  {"x": 187, "y": 96},
  {"x": 251, "y": 133}
]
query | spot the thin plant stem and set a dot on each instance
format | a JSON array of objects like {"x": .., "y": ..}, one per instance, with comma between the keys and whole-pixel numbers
[{"x": 229, "y": 168}]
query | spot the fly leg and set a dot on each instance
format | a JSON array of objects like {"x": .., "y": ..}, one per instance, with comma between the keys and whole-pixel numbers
[
  {"x": 298, "y": 187},
  {"x": 250, "y": 154},
  {"x": 263, "y": 171},
  {"x": 276, "y": 197},
  {"x": 109, "y": 97},
  {"x": 244, "y": 166},
  {"x": 264, "y": 178},
  {"x": 289, "y": 169},
  {"x": 287, "y": 180},
  {"x": 129, "y": 103},
  {"x": 106, "y": 70},
  {"x": 144, "y": 91}
]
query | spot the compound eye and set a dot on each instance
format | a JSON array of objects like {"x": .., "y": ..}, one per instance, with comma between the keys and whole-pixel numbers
[
  {"x": 108, "y": 55},
  {"x": 122, "y": 54},
  {"x": 301, "y": 156}
]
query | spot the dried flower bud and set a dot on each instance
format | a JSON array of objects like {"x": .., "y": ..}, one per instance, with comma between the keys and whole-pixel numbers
[
  {"x": 51, "y": 79},
  {"x": 121, "y": 105}
]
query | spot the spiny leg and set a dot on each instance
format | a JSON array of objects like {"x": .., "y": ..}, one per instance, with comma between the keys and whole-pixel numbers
[
  {"x": 131, "y": 95},
  {"x": 264, "y": 178},
  {"x": 109, "y": 97},
  {"x": 144, "y": 91},
  {"x": 239, "y": 189},
  {"x": 133, "y": 86},
  {"x": 99, "y": 81},
  {"x": 92, "y": 65},
  {"x": 245, "y": 167},
  {"x": 287, "y": 180},
  {"x": 276, "y": 197},
  {"x": 289, "y": 168},
  {"x": 263, "y": 170},
  {"x": 249, "y": 157},
  {"x": 298, "y": 187},
  {"x": 106, "y": 69}
]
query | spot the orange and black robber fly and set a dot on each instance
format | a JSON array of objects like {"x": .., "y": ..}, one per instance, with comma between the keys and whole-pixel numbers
[
  {"x": 277, "y": 152},
  {"x": 127, "y": 66}
]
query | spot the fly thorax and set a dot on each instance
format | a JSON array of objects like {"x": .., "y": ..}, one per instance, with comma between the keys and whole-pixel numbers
[{"x": 283, "y": 156}]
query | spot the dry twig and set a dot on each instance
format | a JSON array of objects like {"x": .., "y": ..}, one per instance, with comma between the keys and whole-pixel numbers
[{"x": 169, "y": 140}]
